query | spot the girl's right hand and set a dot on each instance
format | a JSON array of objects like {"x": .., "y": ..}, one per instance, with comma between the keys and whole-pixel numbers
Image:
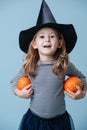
[{"x": 26, "y": 92}]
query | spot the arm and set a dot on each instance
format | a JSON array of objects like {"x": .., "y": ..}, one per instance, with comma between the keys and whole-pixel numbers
[
  {"x": 25, "y": 92},
  {"x": 73, "y": 71}
]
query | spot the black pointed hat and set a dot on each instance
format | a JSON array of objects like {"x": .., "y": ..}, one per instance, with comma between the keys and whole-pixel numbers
[{"x": 46, "y": 19}]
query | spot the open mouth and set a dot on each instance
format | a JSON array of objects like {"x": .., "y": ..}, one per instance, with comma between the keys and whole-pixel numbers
[{"x": 47, "y": 46}]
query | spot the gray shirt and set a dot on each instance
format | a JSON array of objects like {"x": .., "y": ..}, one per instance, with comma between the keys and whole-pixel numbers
[{"x": 48, "y": 99}]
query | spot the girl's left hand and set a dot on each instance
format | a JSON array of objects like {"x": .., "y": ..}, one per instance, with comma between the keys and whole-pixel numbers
[{"x": 78, "y": 95}]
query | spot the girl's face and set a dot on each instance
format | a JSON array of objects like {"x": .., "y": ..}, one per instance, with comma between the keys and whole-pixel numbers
[{"x": 47, "y": 42}]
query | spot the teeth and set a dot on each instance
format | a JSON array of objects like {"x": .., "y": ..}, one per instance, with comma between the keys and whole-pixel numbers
[{"x": 47, "y": 46}]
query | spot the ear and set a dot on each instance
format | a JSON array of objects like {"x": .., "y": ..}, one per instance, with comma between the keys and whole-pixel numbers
[
  {"x": 60, "y": 43},
  {"x": 34, "y": 45}
]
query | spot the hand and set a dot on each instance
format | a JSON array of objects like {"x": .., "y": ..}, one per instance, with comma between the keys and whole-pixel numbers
[
  {"x": 26, "y": 92},
  {"x": 81, "y": 92}
]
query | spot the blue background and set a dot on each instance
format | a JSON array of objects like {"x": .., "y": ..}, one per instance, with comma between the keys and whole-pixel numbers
[{"x": 22, "y": 14}]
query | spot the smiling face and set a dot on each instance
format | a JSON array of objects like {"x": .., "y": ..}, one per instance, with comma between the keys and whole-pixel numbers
[{"x": 47, "y": 42}]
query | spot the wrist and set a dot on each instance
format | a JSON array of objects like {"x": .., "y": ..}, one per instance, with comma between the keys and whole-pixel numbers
[{"x": 16, "y": 92}]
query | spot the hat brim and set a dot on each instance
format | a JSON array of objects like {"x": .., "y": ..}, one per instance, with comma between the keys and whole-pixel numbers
[{"x": 67, "y": 30}]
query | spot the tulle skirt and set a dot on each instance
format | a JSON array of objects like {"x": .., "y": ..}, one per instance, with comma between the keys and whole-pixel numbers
[{"x": 31, "y": 121}]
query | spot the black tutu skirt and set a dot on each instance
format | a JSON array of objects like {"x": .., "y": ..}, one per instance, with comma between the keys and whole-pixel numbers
[{"x": 31, "y": 121}]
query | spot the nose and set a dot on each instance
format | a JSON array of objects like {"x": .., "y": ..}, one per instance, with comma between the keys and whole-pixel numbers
[{"x": 47, "y": 38}]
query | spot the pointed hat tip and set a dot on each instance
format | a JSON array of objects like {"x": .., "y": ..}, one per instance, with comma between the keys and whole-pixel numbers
[{"x": 45, "y": 14}]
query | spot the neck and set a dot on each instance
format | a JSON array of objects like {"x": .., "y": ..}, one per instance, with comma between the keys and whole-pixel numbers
[{"x": 47, "y": 58}]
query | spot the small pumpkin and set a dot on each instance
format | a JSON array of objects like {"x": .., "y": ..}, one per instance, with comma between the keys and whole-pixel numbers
[
  {"x": 71, "y": 82},
  {"x": 23, "y": 82}
]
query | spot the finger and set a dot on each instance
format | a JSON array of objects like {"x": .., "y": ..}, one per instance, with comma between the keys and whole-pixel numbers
[
  {"x": 31, "y": 92},
  {"x": 30, "y": 89},
  {"x": 79, "y": 88},
  {"x": 28, "y": 86},
  {"x": 70, "y": 92}
]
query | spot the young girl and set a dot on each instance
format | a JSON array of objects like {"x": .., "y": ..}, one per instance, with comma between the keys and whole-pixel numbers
[{"x": 46, "y": 64}]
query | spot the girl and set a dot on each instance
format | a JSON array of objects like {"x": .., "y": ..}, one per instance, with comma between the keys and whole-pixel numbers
[{"x": 47, "y": 64}]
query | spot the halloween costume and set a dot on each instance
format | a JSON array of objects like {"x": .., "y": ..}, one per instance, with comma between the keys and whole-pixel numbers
[{"x": 47, "y": 107}]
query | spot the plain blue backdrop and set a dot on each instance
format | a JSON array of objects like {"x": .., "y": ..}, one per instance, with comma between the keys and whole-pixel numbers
[{"x": 16, "y": 15}]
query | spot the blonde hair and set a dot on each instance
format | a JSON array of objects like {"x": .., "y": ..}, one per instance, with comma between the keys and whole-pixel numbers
[{"x": 60, "y": 56}]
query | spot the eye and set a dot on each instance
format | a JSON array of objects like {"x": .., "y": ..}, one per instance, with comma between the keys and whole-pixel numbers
[
  {"x": 52, "y": 36},
  {"x": 41, "y": 36}
]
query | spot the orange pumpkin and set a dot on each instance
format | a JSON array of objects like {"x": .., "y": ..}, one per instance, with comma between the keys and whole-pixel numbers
[
  {"x": 71, "y": 82},
  {"x": 23, "y": 82}
]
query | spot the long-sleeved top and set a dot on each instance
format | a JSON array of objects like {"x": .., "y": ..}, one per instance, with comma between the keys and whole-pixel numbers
[{"x": 48, "y": 99}]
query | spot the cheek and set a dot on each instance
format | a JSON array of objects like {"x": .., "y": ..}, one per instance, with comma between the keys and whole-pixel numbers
[{"x": 56, "y": 44}]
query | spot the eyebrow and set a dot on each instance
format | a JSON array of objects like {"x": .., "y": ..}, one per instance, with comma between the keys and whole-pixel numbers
[{"x": 44, "y": 32}]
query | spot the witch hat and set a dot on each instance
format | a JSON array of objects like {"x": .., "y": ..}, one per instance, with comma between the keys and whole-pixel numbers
[{"x": 46, "y": 19}]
